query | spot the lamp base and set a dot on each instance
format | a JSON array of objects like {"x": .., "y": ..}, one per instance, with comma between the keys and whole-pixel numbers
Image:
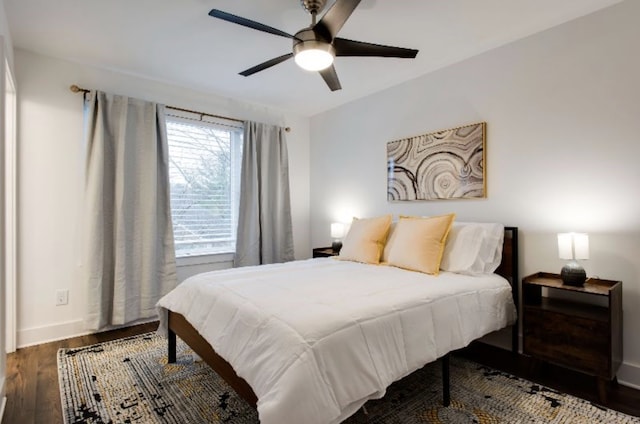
[
  {"x": 336, "y": 246},
  {"x": 573, "y": 274}
]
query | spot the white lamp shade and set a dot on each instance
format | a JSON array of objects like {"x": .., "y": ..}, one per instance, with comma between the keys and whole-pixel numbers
[
  {"x": 573, "y": 246},
  {"x": 581, "y": 246},
  {"x": 337, "y": 230}
]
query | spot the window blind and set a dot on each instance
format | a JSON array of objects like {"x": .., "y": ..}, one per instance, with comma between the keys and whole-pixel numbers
[{"x": 204, "y": 169}]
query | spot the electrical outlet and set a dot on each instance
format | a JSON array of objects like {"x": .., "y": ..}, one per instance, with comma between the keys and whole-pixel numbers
[{"x": 62, "y": 297}]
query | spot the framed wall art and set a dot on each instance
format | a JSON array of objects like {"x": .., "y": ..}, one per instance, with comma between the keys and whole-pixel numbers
[{"x": 447, "y": 164}]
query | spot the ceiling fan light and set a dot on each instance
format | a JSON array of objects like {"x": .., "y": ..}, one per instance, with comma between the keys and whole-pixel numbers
[{"x": 314, "y": 56}]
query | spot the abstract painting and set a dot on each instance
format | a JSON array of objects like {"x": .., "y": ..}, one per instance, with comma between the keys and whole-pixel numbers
[{"x": 448, "y": 164}]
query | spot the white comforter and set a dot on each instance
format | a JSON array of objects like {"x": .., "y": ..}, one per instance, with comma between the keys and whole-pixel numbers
[{"x": 316, "y": 339}]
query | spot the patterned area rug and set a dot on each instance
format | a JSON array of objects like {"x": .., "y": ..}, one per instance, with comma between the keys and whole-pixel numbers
[{"x": 129, "y": 381}]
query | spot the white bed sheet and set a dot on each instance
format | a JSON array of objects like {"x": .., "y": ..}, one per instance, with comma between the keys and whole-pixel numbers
[{"x": 317, "y": 338}]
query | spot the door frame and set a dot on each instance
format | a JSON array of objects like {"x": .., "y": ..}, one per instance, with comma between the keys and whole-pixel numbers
[{"x": 10, "y": 204}]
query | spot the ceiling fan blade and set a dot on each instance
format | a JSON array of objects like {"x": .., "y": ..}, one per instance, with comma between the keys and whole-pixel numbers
[
  {"x": 331, "y": 78},
  {"x": 336, "y": 16},
  {"x": 247, "y": 22},
  {"x": 265, "y": 65},
  {"x": 346, "y": 47}
]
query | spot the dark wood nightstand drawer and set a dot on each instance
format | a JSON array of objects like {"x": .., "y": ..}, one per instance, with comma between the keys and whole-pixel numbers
[{"x": 571, "y": 341}]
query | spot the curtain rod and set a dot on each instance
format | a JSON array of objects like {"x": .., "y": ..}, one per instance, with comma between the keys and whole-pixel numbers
[{"x": 74, "y": 88}]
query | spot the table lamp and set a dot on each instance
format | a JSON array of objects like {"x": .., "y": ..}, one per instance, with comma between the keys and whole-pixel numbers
[
  {"x": 573, "y": 246},
  {"x": 337, "y": 232}
]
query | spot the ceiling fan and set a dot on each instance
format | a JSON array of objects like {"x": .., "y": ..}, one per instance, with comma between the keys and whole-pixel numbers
[{"x": 316, "y": 46}]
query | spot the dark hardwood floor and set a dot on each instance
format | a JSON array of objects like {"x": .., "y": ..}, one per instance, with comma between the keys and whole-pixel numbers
[{"x": 33, "y": 395}]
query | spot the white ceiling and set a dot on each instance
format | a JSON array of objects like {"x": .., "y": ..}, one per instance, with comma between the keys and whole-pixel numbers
[{"x": 175, "y": 41}]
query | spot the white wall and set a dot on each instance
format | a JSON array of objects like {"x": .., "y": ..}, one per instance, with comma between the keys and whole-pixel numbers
[
  {"x": 51, "y": 181},
  {"x": 563, "y": 125}
]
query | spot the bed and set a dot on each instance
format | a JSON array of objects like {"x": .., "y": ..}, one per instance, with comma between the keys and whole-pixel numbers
[{"x": 316, "y": 352}]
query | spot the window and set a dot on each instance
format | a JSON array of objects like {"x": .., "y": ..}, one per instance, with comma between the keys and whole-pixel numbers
[{"x": 204, "y": 173}]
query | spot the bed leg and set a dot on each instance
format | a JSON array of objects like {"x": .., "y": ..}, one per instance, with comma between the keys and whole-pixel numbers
[
  {"x": 171, "y": 338},
  {"x": 446, "y": 393}
]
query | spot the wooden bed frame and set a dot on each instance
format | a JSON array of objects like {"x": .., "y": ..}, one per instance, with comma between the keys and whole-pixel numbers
[{"x": 179, "y": 326}]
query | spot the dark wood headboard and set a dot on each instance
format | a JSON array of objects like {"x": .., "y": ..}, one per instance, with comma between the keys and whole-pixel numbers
[
  {"x": 509, "y": 265},
  {"x": 509, "y": 269}
]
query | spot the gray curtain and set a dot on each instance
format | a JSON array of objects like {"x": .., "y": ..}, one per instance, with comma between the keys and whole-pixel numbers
[
  {"x": 264, "y": 221},
  {"x": 129, "y": 257}
]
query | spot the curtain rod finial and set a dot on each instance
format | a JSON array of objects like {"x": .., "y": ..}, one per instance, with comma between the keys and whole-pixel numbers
[{"x": 76, "y": 89}]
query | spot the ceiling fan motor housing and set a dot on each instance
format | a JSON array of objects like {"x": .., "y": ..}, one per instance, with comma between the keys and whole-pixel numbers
[
  {"x": 309, "y": 39},
  {"x": 312, "y": 51}
]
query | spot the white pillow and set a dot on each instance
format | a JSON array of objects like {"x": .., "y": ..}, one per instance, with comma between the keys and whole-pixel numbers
[{"x": 473, "y": 248}]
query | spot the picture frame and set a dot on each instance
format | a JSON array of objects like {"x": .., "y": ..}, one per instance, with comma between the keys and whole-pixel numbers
[{"x": 442, "y": 165}]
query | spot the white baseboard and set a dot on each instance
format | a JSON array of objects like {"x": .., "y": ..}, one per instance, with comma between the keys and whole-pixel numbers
[
  {"x": 64, "y": 330},
  {"x": 49, "y": 333},
  {"x": 629, "y": 375}
]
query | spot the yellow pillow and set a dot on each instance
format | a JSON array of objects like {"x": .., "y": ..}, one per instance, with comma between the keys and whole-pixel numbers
[
  {"x": 365, "y": 240},
  {"x": 419, "y": 243},
  {"x": 390, "y": 240}
]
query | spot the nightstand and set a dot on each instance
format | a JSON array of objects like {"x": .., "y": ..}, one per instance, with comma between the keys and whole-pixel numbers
[
  {"x": 324, "y": 252},
  {"x": 575, "y": 327}
]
